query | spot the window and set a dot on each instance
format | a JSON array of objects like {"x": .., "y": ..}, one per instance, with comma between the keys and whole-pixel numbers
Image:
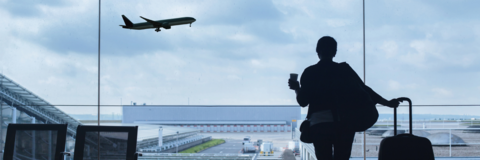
[{"x": 226, "y": 73}]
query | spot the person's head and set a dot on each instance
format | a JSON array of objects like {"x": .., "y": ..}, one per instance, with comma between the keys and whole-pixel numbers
[{"x": 326, "y": 48}]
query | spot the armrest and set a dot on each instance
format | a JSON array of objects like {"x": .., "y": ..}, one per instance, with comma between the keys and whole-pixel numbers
[
  {"x": 65, "y": 153},
  {"x": 137, "y": 154}
]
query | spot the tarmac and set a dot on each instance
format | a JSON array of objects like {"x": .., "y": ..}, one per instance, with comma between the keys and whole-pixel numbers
[
  {"x": 280, "y": 141},
  {"x": 233, "y": 143}
]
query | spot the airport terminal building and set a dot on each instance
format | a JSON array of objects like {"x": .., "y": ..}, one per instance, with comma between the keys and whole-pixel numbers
[{"x": 217, "y": 118}]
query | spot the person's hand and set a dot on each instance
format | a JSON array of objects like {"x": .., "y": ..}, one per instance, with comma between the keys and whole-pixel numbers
[
  {"x": 393, "y": 103},
  {"x": 293, "y": 84}
]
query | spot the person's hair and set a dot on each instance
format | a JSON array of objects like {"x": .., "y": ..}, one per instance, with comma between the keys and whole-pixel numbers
[{"x": 327, "y": 45}]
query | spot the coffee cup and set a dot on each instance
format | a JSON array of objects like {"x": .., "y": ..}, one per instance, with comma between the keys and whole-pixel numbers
[{"x": 293, "y": 76}]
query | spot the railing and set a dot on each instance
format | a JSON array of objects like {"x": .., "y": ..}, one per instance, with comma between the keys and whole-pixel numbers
[
  {"x": 173, "y": 144},
  {"x": 163, "y": 156},
  {"x": 153, "y": 142},
  {"x": 440, "y": 149}
]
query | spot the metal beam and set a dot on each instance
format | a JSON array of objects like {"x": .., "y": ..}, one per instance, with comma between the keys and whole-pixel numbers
[
  {"x": 50, "y": 148},
  {"x": 25, "y": 94},
  {"x": 8, "y": 85},
  {"x": 14, "y": 115},
  {"x": 33, "y": 140},
  {"x": 15, "y": 89},
  {"x": 1, "y": 122},
  {"x": 25, "y": 101}
]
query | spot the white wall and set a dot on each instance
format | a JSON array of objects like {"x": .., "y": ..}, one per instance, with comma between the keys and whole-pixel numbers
[
  {"x": 240, "y": 128},
  {"x": 211, "y": 113}
]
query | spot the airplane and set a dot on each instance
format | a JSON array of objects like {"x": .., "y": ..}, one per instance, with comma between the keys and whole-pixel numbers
[{"x": 165, "y": 23}]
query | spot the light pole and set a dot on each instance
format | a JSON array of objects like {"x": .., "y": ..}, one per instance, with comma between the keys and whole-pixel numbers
[
  {"x": 177, "y": 142},
  {"x": 293, "y": 132}
]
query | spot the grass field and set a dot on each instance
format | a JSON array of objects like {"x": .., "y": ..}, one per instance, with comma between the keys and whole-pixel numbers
[{"x": 204, "y": 146}]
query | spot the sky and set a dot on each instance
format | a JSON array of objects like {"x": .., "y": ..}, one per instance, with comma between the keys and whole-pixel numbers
[{"x": 238, "y": 52}]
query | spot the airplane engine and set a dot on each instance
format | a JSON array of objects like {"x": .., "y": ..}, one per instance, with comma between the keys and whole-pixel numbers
[{"x": 166, "y": 25}]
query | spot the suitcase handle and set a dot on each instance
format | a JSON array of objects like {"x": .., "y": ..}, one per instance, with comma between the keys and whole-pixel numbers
[{"x": 401, "y": 99}]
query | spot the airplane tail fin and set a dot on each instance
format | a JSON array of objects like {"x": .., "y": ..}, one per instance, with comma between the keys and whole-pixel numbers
[{"x": 128, "y": 23}]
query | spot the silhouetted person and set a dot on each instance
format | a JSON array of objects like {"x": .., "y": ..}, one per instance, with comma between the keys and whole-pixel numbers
[{"x": 319, "y": 93}]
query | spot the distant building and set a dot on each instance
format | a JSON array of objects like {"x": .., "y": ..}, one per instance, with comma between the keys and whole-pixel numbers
[{"x": 217, "y": 118}]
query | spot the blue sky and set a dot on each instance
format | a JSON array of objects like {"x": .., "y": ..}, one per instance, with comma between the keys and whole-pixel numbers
[{"x": 239, "y": 52}]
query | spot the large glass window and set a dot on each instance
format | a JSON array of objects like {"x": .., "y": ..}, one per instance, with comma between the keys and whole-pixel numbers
[{"x": 228, "y": 69}]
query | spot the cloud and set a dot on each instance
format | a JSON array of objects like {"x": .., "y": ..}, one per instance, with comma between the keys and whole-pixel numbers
[
  {"x": 241, "y": 12},
  {"x": 243, "y": 38},
  {"x": 435, "y": 54},
  {"x": 58, "y": 78},
  {"x": 258, "y": 20},
  {"x": 26, "y": 8},
  {"x": 338, "y": 22},
  {"x": 441, "y": 92},
  {"x": 58, "y": 27},
  {"x": 231, "y": 27},
  {"x": 422, "y": 51},
  {"x": 390, "y": 48},
  {"x": 395, "y": 85}
]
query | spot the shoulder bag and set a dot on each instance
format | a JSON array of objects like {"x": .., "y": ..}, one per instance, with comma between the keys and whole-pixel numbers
[
  {"x": 355, "y": 109},
  {"x": 306, "y": 134}
]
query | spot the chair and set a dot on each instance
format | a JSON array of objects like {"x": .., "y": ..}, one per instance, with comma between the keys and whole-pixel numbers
[
  {"x": 116, "y": 142},
  {"x": 35, "y": 141}
]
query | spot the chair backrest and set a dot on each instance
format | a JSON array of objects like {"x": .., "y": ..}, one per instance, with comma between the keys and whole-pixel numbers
[
  {"x": 35, "y": 141},
  {"x": 116, "y": 142}
]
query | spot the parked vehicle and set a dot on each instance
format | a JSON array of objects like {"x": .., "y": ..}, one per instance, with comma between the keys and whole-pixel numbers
[
  {"x": 296, "y": 153},
  {"x": 248, "y": 147},
  {"x": 266, "y": 149},
  {"x": 259, "y": 142},
  {"x": 246, "y": 140},
  {"x": 295, "y": 147}
]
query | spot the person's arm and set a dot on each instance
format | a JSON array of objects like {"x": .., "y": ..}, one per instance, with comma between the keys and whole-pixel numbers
[
  {"x": 393, "y": 103},
  {"x": 302, "y": 97},
  {"x": 375, "y": 96},
  {"x": 303, "y": 92}
]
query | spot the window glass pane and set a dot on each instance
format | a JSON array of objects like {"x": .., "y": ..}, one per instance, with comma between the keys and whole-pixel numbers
[
  {"x": 113, "y": 145},
  {"x": 30, "y": 144},
  {"x": 426, "y": 51},
  {"x": 48, "y": 63},
  {"x": 235, "y": 53}
]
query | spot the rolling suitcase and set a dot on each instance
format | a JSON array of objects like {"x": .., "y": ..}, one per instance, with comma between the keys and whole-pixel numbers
[{"x": 405, "y": 146}]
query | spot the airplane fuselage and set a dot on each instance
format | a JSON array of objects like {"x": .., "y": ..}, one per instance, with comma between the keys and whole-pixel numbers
[{"x": 170, "y": 22}]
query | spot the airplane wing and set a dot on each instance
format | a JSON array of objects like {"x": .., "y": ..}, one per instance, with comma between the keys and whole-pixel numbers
[{"x": 151, "y": 21}]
